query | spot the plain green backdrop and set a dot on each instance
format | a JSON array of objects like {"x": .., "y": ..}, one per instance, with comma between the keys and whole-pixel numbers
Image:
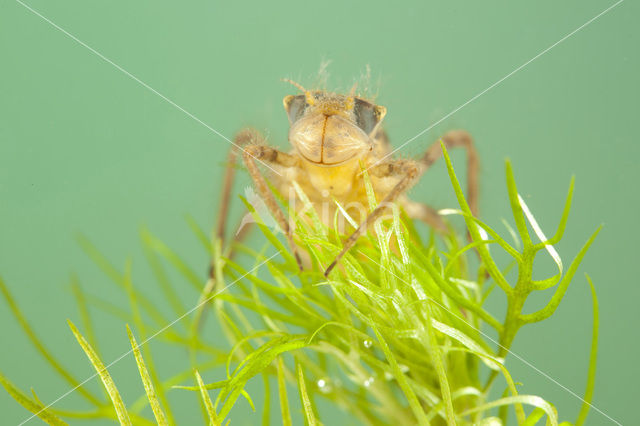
[{"x": 86, "y": 149}]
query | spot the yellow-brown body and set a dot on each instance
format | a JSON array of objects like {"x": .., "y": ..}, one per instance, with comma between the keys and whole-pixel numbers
[
  {"x": 335, "y": 137},
  {"x": 343, "y": 184}
]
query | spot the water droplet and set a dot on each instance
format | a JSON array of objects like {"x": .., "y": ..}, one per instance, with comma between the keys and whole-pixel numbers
[
  {"x": 324, "y": 386},
  {"x": 368, "y": 382},
  {"x": 367, "y": 343}
]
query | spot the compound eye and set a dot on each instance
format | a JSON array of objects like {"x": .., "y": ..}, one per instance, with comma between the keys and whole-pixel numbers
[
  {"x": 295, "y": 106},
  {"x": 368, "y": 116}
]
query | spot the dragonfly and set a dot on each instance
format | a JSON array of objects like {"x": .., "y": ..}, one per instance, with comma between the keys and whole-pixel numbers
[{"x": 334, "y": 137}]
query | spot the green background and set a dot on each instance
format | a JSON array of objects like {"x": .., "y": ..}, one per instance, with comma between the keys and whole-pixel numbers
[{"x": 84, "y": 148}]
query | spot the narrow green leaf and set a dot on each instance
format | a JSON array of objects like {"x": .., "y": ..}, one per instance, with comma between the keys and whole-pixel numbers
[
  {"x": 37, "y": 343},
  {"x": 473, "y": 227},
  {"x": 409, "y": 393},
  {"x": 514, "y": 235},
  {"x": 532, "y": 400},
  {"x": 516, "y": 208},
  {"x": 199, "y": 233},
  {"x": 282, "y": 392},
  {"x": 140, "y": 325},
  {"x": 107, "y": 381},
  {"x": 540, "y": 234},
  {"x": 458, "y": 393},
  {"x": 81, "y": 301},
  {"x": 264, "y": 311},
  {"x": 257, "y": 365},
  {"x": 437, "y": 359},
  {"x": 99, "y": 259},
  {"x": 213, "y": 385},
  {"x": 304, "y": 397},
  {"x": 245, "y": 340},
  {"x": 169, "y": 335},
  {"x": 511, "y": 385},
  {"x": 447, "y": 288},
  {"x": 156, "y": 407},
  {"x": 563, "y": 219},
  {"x": 248, "y": 398},
  {"x": 466, "y": 341},
  {"x": 213, "y": 418},
  {"x": 533, "y": 418},
  {"x": 266, "y": 404},
  {"x": 309, "y": 211},
  {"x": 180, "y": 265},
  {"x": 172, "y": 382},
  {"x": 284, "y": 251},
  {"x": 593, "y": 359},
  {"x": 117, "y": 278},
  {"x": 503, "y": 411},
  {"x": 551, "y": 307},
  {"x": 493, "y": 234},
  {"x": 133, "y": 302},
  {"x": 33, "y": 406},
  {"x": 547, "y": 282},
  {"x": 161, "y": 276}
]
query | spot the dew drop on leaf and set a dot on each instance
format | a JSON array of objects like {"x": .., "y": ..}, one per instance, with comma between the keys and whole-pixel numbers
[{"x": 324, "y": 386}]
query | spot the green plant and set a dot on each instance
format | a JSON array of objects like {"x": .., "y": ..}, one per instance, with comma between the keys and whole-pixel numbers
[{"x": 393, "y": 336}]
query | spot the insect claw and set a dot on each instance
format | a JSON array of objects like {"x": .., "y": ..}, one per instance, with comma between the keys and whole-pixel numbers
[
  {"x": 330, "y": 268},
  {"x": 298, "y": 261}
]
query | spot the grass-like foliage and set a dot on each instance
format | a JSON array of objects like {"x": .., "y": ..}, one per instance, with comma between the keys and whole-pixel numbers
[{"x": 398, "y": 334}]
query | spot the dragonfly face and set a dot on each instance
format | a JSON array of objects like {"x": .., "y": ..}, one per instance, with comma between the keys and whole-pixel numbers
[{"x": 330, "y": 129}]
